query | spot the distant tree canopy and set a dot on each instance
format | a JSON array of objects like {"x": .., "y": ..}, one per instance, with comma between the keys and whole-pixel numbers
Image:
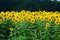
[{"x": 32, "y": 5}]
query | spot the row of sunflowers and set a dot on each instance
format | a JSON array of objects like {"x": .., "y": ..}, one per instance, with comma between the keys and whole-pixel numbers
[{"x": 27, "y": 25}]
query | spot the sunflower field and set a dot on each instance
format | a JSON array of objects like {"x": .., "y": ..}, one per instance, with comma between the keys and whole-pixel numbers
[{"x": 27, "y": 25}]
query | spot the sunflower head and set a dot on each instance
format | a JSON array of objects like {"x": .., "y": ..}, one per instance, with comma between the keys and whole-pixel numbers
[
  {"x": 11, "y": 29},
  {"x": 47, "y": 25}
]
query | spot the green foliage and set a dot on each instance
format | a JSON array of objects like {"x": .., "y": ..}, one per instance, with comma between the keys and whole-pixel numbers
[{"x": 29, "y": 31}]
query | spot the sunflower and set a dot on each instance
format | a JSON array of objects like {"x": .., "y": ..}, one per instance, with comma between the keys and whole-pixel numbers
[
  {"x": 11, "y": 29},
  {"x": 56, "y": 12},
  {"x": 42, "y": 18},
  {"x": 45, "y": 17},
  {"x": 12, "y": 12},
  {"x": 56, "y": 22},
  {"x": 15, "y": 19},
  {"x": 47, "y": 25},
  {"x": 0, "y": 21},
  {"x": 32, "y": 20},
  {"x": 19, "y": 19},
  {"x": 22, "y": 19},
  {"x": 59, "y": 22},
  {"x": 2, "y": 13},
  {"x": 7, "y": 12},
  {"x": 23, "y": 11},
  {"x": 5, "y": 15},
  {"x": 5, "y": 18},
  {"x": 29, "y": 19},
  {"x": 34, "y": 14},
  {"x": 52, "y": 17},
  {"x": 13, "y": 15},
  {"x": 0, "y": 16},
  {"x": 37, "y": 13},
  {"x": 33, "y": 17},
  {"x": 39, "y": 17},
  {"x": 49, "y": 19},
  {"x": 59, "y": 35},
  {"x": 56, "y": 16}
]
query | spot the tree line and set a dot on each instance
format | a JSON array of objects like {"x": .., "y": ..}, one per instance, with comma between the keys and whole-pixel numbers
[{"x": 31, "y": 5}]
